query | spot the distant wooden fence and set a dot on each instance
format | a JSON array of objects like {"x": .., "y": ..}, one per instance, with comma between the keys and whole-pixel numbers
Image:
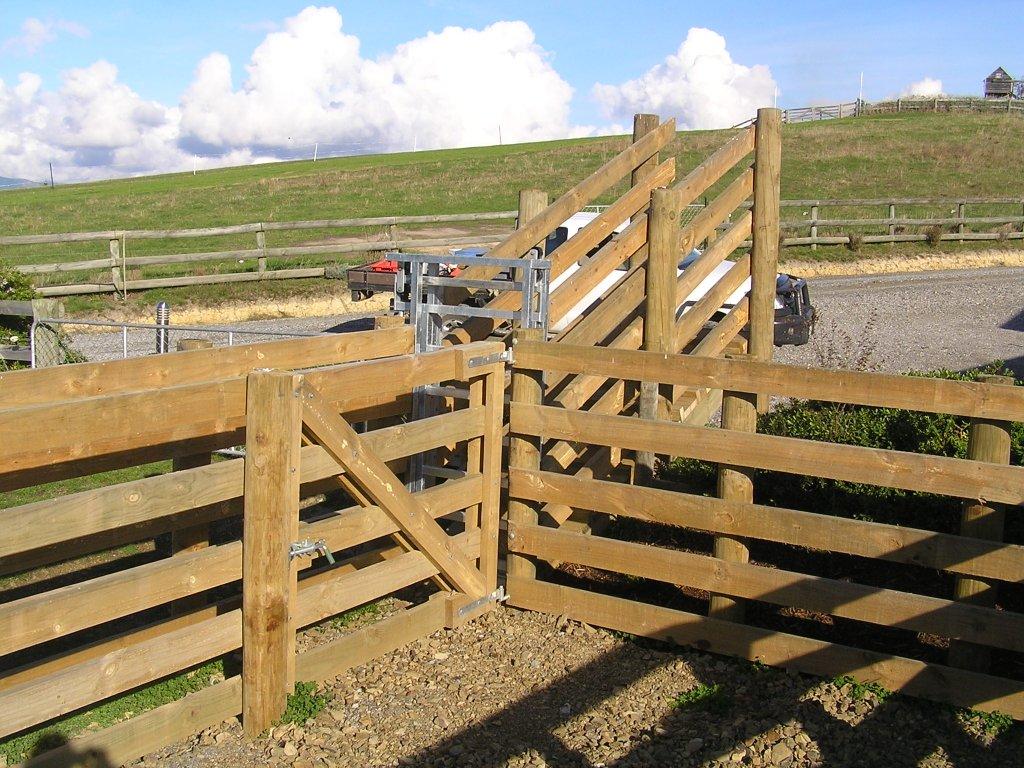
[
  {"x": 976, "y": 558},
  {"x": 826, "y": 112},
  {"x": 860, "y": 107},
  {"x": 932, "y": 219},
  {"x": 943, "y": 104},
  {"x": 117, "y": 262},
  {"x": 74, "y": 646}
]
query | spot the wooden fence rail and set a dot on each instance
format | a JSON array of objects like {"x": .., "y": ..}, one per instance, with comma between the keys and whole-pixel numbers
[{"x": 727, "y": 573}]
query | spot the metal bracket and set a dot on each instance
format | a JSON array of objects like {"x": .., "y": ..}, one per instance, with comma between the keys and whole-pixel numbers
[
  {"x": 307, "y": 548},
  {"x": 497, "y": 596},
  {"x": 497, "y": 357}
]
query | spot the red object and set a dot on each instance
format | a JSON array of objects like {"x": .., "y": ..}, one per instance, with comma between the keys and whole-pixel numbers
[{"x": 384, "y": 265}]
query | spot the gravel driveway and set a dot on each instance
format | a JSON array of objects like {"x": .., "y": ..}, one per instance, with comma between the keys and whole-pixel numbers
[
  {"x": 953, "y": 319},
  {"x": 895, "y": 323}
]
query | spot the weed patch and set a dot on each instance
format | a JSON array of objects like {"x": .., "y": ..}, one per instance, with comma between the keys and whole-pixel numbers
[
  {"x": 709, "y": 698},
  {"x": 304, "y": 704}
]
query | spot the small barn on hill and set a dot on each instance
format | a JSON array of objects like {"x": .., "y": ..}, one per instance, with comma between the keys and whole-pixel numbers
[{"x": 999, "y": 85}]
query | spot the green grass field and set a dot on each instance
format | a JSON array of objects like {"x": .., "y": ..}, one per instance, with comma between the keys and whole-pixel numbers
[{"x": 879, "y": 156}]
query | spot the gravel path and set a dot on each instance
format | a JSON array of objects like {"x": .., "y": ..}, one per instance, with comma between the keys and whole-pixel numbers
[
  {"x": 526, "y": 689},
  {"x": 110, "y": 346},
  {"x": 896, "y": 323}
]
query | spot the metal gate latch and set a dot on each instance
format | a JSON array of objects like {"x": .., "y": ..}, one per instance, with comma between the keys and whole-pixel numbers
[
  {"x": 307, "y": 548},
  {"x": 497, "y": 596}
]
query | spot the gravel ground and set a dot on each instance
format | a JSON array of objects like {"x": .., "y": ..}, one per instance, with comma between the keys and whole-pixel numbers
[
  {"x": 110, "y": 346},
  {"x": 954, "y": 319},
  {"x": 525, "y": 689},
  {"x": 895, "y": 323}
]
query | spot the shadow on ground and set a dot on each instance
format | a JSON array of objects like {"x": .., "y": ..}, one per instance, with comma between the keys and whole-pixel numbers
[{"x": 896, "y": 732}]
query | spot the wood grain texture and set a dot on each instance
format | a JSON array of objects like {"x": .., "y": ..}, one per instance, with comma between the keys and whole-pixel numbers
[
  {"x": 960, "y": 478},
  {"x": 380, "y": 485},
  {"x": 271, "y": 520},
  {"x": 893, "y": 543}
]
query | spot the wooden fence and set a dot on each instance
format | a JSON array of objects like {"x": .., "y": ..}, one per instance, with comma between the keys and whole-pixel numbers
[
  {"x": 265, "y": 262},
  {"x": 944, "y": 104},
  {"x": 971, "y": 564},
  {"x": 129, "y": 627},
  {"x": 860, "y": 107},
  {"x": 826, "y": 112},
  {"x": 574, "y": 436},
  {"x": 69, "y": 647},
  {"x": 903, "y": 220}
]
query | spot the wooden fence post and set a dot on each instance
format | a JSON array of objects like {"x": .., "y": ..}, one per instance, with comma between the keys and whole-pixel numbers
[
  {"x": 892, "y": 227},
  {"x": 739, "y": 412},
  {"x": 642, "y": 125},
  {"x": 764, "y": 252},
  {"x": 261, "y": 244},
  {"x": 989, "y": 441},
  {"x": 474, "y": 449},
  {"x": 490, "y": 467},
  {"x": 115, "y": 268},
  {"x": 660, "y": 305},
  {"x": 814, "y": 227},
  {"x": 271, "y": 508},
  {"x": 524, "y": 450},
  {"x": 960, "y": 210},
  {"x": 47, "y": 337},
  {"x": 531, "y": 203}
]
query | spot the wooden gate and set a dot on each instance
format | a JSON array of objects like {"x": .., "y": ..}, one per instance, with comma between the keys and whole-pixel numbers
[{"x": 249, "y": 539}]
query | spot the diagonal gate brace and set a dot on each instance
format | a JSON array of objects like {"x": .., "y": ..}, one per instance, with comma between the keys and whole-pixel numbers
[{"x": 375, "y": 483}]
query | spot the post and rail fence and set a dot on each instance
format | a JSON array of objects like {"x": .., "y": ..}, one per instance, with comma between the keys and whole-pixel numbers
[
  {"x": 262, "y": 262},
  {"x": 333, "y": 436},
  {"x": 918, "y": 563},
  {"x": 944, "y": 219}
]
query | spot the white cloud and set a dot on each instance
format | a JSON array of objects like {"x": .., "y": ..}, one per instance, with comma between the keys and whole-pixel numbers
[
  {"x": 36, "y": 33},
  {"x": 309, "y": 83},
  {"x": 928, "y": 86},
  {"x": 91, "y": 127},
  {"x": 700, "y": 85}
]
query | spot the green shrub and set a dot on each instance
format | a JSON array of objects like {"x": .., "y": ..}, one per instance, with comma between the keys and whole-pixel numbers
[{"x": 14, "y": 286}]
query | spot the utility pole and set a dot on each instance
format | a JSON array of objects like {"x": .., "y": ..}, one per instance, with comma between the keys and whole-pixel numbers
[
  {"x": 51, "y": 175},
  {"x": 316, "y": 147}
]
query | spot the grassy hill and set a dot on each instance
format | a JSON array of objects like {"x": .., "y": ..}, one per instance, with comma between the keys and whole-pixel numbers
[{"x": 879, "y": 156}]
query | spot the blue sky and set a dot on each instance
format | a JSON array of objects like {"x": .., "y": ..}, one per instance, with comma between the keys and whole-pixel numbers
[
  {"x": 815, "y": 50},
  {"x": 814, "y": 53}
]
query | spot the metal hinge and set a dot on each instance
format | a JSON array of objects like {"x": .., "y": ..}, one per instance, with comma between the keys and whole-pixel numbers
[
  {"x": 497, "y": 357},
  {"x": 307, "y": 548},
  {"x": 497, "y": 596}
]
